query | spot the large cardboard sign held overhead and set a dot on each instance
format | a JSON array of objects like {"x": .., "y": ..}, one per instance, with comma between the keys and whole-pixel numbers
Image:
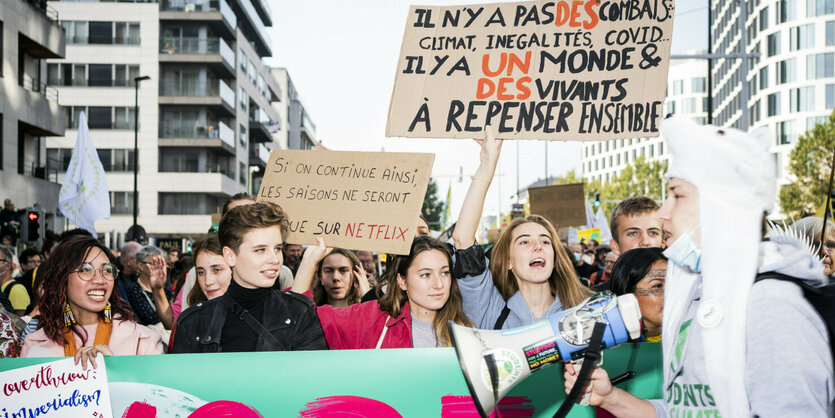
[
  {"x": 561, "y": 70},
  {"x": 563, "y": 204},
  {"x": 354, "y": 200}
]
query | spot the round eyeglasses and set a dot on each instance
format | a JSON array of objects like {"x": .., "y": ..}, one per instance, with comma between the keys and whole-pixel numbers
[{"x": 87, "y": 272}]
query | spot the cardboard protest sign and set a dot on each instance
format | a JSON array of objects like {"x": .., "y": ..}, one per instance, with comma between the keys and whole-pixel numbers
[
  {"x": 565, "y": 70},
  {"x": 589, "y": 234},
  {"x": 563, "y": 204},
  {"x": 354, "y": 200},
  {"x": 59, "y": 388}
]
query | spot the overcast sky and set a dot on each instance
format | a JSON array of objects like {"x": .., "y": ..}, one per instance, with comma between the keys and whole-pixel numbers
[{"x": 342, "y": 57}]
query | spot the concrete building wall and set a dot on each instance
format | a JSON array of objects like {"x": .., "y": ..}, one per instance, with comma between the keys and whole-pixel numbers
[{"x": 29, "y": 112}]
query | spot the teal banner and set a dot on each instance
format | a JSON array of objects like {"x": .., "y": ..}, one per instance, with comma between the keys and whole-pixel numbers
[{"x": 379, "y": 383}]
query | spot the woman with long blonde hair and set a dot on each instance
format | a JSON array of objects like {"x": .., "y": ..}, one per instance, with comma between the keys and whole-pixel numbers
[{"x": 529, "y": 276}]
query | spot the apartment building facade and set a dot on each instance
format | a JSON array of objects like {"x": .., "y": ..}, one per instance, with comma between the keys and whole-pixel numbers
[
  {"x": 205, "y": 117},
  {"x": 29, "y": 110}
]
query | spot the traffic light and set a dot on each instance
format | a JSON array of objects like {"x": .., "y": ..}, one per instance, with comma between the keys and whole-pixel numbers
[
  {"x": 32, "y": 226},
  {"x": 596, "y": 199}
]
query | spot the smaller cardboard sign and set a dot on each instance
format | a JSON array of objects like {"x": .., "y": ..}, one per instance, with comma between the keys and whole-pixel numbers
[
  {"x": 354, "y": 200},
  {"x": 60, "y": 388},
  {"x": 589, "y": 234},
  {"x": 493, "y": 235},
  {"x": 563, "y": 204}
]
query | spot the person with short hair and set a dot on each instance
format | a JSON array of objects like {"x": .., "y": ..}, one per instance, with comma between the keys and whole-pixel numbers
[
  {"x": 181, "y": 300},
  {"x": 29, "y": 259},
  {"x": 148, "y": 295},
  {"x": 811, "y": 228},
  {"x": 173, "y": 256},
  {"x": 81, "y": 315},
  {"x": 635, "y": 224},
  {"x": 602, "y": 276},
  {"x": 15, "y": 291},
  {"x": 292, "y": 256},
  {"x": 422, "y": 227},
  {"x": 369, "y": 264},
  {"x": 251, "y": 315}
]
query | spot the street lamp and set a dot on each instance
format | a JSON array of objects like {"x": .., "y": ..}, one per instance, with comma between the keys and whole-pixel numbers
[{"x": 136, "y": 81}]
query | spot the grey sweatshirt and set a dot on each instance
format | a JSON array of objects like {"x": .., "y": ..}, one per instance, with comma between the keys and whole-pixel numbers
[{"x": 789, "y": 364}]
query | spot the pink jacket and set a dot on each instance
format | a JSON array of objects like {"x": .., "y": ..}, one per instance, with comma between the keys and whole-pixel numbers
[
  {"x": 127, "y": 338},
  {"x": 360, "y": 326}
]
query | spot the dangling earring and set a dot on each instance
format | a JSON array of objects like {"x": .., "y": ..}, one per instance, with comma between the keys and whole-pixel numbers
[
  {"x": 69, "y": 319},
  {"x": 108, "y": 314}
]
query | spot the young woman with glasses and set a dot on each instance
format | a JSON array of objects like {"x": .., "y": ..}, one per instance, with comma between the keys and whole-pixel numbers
[{"x": 81, "y": 316}]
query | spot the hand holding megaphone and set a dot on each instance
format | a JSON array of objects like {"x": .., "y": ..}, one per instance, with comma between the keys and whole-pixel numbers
[{"x": 598, "y": 387}]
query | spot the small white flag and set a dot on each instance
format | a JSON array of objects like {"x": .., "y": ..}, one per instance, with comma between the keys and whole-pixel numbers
[{"x": 84, "y": 196}]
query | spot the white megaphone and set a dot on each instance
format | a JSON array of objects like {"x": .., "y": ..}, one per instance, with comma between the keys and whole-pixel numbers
[{"x": 518, "y": 352}]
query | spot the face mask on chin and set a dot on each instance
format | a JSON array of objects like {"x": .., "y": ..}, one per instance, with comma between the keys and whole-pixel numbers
[
  {"x": 577, "y": 256},
  {"x": 685, "y": 252}
]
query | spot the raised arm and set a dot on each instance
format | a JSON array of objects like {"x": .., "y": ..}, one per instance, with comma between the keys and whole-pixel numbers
[
  {"x": 158, "y": 273},
  {"x": 465, "y": 228},
  {"x": 307, "y": 267}
]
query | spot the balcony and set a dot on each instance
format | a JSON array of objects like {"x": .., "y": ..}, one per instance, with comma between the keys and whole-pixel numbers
[
  {"x": 183, "y": 133},
  {"x": 259, "y": 126},
  {"x": 214, "y": 52},
  {"x": 259, "y": 155},
  {"x": 215, "y": 94},
  {"x": 254, "y": 28},
  {"x": 216, "y": 13}
]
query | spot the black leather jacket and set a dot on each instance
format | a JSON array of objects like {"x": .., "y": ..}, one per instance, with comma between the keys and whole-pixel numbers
[{"x": 291, "y": 318}]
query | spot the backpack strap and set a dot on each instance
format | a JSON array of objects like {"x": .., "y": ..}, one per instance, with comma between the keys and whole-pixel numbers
[
  {"x": 502, "y": 317},
  {"x": 8, "y": 290}
]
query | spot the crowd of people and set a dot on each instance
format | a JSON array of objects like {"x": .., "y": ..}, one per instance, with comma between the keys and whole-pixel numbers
[{"x": 246, "y": 289}]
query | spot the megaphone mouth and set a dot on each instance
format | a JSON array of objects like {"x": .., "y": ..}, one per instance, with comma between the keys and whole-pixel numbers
[{"x": 464, "y": 371}]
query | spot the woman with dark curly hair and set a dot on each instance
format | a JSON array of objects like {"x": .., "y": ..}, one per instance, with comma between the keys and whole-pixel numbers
[{"x": 81, "y": 316}]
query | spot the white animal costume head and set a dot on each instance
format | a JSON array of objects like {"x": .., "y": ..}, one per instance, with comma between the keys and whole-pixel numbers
[{"x": 735, "y": 177}]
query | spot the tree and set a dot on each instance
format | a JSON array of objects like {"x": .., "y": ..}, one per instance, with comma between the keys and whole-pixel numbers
[
  {"x": 642, "y": 177},
  {"x": 433, "y": 207},
  {"x": 809, "y": 167}
]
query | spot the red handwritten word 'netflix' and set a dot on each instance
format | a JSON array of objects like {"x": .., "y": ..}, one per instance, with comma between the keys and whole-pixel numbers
[{"x": 372, "y": 231}]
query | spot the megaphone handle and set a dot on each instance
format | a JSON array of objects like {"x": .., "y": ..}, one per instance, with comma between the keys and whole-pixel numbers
[
  {"x": 593, "y": 354},
  {"x": 578, "y": 364}
]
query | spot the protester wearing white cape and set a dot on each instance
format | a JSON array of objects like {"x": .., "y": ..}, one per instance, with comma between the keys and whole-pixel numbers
[
  {"x": 711, "y": 345},
  {"x": 84, "y": 196}
]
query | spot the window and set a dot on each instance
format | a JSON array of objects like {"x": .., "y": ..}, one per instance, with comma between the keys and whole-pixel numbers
[
  {"x": 671, "y": 108},
  {"x": 242, "y": 59},
  {"x": 774, "y": 104},
  {"x": 121, "y": 203},
  {"x": 802, "y": 99},
  {"x": 242, "y": 173},
  {"x": 830, "y": 33},
  {"x": 764, "y": 18},
  {"x": 819, "y": 7},
  {"x": 1, "y": 75},
  {"x": 830, "y": 96},
  {"x": 678, "y": 87},
  {"x": 773, "y": 44},
  {"x": 262, "y": 86},
  {"x": 244, "y": 97},
  {"x": 251, "y": 72},
  {"x": 100, "y": 75},
  {"x": 786, "y": 10},
  {"x": 814, "y": 120},
  {"x": 105, "y": 33},
  {"x": 802, "y": 37},
  {"x": 763, "y": 78},
  {"x": 101, "y": 33},
  {"x": 698, "y": 85},
  {"x": 820, "y": 66},
  {"x": 786, "y": 71},
  {"x": 786, "y": 133},
  {"x": 243, "y": 136},
  {"x": 126, "y": 33},
  {"x": 188, "y": 204},
  {"x": 99, "y": 117}
]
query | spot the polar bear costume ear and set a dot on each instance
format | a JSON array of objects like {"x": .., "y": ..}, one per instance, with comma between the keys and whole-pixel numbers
[{"x": 762, "y": 136}]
